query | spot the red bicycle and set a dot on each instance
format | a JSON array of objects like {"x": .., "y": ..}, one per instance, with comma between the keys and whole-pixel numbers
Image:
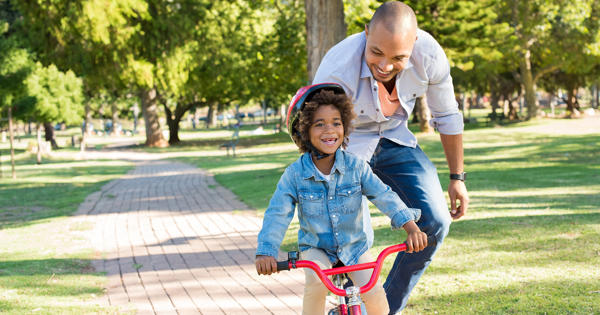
[{"x": 351, "y": 293}]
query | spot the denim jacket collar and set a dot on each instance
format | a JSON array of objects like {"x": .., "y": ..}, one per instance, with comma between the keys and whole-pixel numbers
[{"x": 309, "y": 168}]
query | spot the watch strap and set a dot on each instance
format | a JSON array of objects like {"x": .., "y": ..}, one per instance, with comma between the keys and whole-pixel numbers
[{"x": 461, "y": 176}]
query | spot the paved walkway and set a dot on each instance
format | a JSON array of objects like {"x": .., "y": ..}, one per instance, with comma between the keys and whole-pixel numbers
[{"x": 173, "y": 241}]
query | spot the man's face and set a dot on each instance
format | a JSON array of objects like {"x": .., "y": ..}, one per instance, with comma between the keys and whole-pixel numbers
[{"x": 386, "y": 52}]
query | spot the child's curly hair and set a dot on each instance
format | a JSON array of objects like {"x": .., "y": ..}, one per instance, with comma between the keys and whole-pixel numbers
[{"x": 322, "y": 98}]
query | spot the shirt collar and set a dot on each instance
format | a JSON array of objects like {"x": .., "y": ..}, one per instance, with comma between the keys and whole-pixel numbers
[{"x": 310, "y": 170}]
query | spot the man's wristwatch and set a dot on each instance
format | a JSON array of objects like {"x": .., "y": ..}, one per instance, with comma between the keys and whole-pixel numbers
[{"x": 462, "y": 176}]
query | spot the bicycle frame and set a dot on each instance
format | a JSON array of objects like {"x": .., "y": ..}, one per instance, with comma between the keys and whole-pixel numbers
[{"x": 353, "y": 293}]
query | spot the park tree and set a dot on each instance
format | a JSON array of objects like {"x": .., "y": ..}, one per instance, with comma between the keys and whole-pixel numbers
[
  {"x": 325, "y": 27},
  {"x": 536, "y": 27},
  {"x": 279, "y": 65},
  {"x": 51, "y": 95},
  {"x": 15, "y": 66},
  {"x": 87, "y": 37},
  {"x": 163, "y": 31},
  {"x": 577, "y": 42}
]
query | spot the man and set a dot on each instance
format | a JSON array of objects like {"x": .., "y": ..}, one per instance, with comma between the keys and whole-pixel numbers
[{"x": 384, "y": 69}]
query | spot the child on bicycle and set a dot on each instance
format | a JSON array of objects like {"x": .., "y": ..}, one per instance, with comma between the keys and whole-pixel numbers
[{"x": 327, "y": 185}]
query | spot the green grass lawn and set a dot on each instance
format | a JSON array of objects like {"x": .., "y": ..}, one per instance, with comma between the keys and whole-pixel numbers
[
  {"x": 530, "y": 243},
  {"x": 44, "y": 252}
]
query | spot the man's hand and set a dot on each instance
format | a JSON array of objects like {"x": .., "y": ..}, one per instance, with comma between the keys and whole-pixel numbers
[
  {"x": 458, "y": 192},
  {"x": 265, "y": 265}
]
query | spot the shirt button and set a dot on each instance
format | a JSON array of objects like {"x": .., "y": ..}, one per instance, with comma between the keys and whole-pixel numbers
[
  {"x": 330, "y": 198},
  {"x": 333, "y": 216},
  {"x": 362, "y": 111}
]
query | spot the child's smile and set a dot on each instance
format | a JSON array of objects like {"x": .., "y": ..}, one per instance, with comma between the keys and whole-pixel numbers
[{"x": 327, "y": 131}]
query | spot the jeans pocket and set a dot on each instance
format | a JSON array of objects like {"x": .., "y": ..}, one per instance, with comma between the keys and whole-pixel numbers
[
  {"x": 311, "y": 203},
  {"x": 350, "y": 197}
]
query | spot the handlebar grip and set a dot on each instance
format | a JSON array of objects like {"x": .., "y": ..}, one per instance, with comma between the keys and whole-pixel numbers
[
  {"x": 283, "y": 265},
  {"x": 431, "y": 240}
]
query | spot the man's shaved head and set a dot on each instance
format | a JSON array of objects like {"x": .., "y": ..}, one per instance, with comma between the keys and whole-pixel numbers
[
  {"x": 395, "y": 16},
  {"x": 391, "y": 36}
]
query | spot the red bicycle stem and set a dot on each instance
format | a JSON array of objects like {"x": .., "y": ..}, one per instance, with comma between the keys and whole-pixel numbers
[{"x": 376, "y": 266}]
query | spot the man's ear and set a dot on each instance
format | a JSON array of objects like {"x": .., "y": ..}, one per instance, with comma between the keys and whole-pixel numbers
[{"x": 367, "y": 29}]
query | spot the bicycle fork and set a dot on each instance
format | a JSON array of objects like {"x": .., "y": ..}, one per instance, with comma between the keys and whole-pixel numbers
[
  {"x": 353, "y": 296},
  {"x": 354, "y": 301}
]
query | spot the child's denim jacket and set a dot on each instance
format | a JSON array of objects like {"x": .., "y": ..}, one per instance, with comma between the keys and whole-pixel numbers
[{"x": 330, "y": 212}]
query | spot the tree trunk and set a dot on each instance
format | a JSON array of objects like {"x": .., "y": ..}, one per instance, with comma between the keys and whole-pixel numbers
[
  {"x": 49, "y": 135},
  {"x": 596, "y": 97},
  {"x": 173, "y": 120},
  {"x": 173, "y": 124},
  {"x": 211, "y": 118},
  {"x": 494, "y": 101},
  {"x": 39, "y": 143},
  {"x": 12, "y": 140},
  {"x": 572, "y": 105},
  {"x": 88, "y": 119},
  {"x": 324, "y": 28},
  {"x": 282, "y": 125},
  {"x": 424, "y": 115},
  {"x": 528, "y": 84},
  {"x": 264, "y": 112},
  {"x": 512, "y": 114},
  {"x": 115, "y": 119},
  {"x": 154, "y": 137}
]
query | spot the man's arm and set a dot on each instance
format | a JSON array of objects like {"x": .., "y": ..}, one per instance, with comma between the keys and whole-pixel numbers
[{"x": 453, "y": 148}]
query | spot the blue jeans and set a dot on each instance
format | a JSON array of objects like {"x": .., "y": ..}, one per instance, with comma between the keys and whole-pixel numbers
[{"x": 414, "y": 178}]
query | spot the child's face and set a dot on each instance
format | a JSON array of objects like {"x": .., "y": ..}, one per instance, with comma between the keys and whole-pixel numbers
[{"x": 326, "y": 132}]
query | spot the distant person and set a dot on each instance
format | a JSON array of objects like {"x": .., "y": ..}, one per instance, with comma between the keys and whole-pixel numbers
[
  {"x": 384, "y": 70},
  {"x": 327, "y": 185}
]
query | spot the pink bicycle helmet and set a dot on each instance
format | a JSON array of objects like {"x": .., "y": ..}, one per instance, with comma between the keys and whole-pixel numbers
[{"x": 303, "y": 95}]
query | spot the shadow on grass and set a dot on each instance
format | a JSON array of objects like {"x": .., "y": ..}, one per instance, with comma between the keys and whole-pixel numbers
[
  {"x": 532, "y": 240},
  {"x": 36, "y": 276},
  {"x": 39, "y": 194},
  {"x": 535, "y": 297}
]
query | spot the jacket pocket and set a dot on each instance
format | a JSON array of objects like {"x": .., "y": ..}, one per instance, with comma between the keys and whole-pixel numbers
[
  {"x": 350, "y": 197},
  {"x": 311, "y": 203}
]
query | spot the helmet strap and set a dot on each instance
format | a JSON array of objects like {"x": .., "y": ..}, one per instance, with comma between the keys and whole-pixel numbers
[{"x": 316, "y": 153}]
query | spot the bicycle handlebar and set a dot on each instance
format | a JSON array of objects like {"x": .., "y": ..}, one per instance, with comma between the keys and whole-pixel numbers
[{"x": 324, "y": 274}]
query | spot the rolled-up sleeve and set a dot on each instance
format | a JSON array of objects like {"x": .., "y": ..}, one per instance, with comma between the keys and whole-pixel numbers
[{"x": 446, "y": 117}]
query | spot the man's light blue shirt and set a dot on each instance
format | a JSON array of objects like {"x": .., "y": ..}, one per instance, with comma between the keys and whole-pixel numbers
[
  {"x": 329, "y": 211},
  {"x": 427, "y": 73}
]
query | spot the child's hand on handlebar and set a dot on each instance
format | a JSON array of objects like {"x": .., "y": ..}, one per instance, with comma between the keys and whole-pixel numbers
[
  {"x": 265, "y": 265},
  {"x": 416, "y": 240}
]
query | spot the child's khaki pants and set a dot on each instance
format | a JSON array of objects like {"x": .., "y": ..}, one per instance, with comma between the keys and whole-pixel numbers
[{"x": 315, "y": 291}]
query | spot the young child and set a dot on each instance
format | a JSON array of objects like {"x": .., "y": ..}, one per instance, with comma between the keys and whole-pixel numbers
[{"x": 327, "y": 185}]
